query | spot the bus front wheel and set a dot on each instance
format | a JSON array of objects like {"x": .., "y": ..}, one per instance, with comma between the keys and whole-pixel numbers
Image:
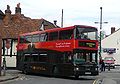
[{"x": 76, "y": 76}]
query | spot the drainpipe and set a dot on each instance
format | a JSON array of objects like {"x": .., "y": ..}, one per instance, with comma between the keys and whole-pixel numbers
[{"x": 0, "y": 54}]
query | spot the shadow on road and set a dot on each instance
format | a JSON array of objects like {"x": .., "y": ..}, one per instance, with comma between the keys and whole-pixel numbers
[{"x": 64, "y": 77}]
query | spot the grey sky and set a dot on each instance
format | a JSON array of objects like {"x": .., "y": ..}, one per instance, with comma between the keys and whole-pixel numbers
[{"x": 83, "y": 12}]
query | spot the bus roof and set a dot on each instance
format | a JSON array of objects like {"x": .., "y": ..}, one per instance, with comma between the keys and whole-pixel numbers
[{"x": 57, "y": 29}]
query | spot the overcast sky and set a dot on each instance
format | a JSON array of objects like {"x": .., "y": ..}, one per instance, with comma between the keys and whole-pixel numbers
[{"x": 76, "y": 12}]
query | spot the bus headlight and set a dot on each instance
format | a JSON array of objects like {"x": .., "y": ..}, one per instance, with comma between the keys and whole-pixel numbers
[
  {"x": 96, "y": 69},
  {"x": 76, "y": 68}
]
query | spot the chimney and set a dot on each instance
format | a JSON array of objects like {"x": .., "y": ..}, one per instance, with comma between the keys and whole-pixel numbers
[
  {"x": 7, "y": 15},
  {"x": 112, "y": 30},
  {"x": 18, "y": 9},
  {"x": 55, "y": 23},
  {"x": 8, "y": 11}
]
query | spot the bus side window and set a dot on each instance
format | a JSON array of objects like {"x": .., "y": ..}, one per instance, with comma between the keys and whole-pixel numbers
[
  {"x": 43, "y": 58},
  {"x": 66, "y": 34},
  {"x": 22, "y": 39},
  {"x": 67, "y": 57},
  {"x": 44, "y": 37},
  {"x": 53, "y": 36},
  {"x": 28, "y": 58},
  {"x": 35, "y": 38},
  {"x": 28, "y": 39}
]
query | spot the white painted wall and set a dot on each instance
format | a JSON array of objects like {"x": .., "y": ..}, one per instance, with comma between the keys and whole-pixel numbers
[
  {"x": 112, "y": 41},
  {"x": 10, "y": 61}
]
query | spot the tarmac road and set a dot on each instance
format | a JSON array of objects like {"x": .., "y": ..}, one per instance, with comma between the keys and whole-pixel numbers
[
  {"x": 38, "y": 79},
  {"x": 107, "y": 77}
]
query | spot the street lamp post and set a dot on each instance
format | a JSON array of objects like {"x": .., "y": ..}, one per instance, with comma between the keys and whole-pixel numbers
[
  {"x": 62, "y": 19},
  {"x": 100, "y": 31}
]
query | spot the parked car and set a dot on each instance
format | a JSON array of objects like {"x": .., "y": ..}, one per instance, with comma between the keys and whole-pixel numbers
[{"x": 109, "y": 61}]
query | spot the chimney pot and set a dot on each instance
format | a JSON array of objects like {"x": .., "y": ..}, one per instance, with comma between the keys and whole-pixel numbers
[
  {"x": 7, "y": 18},
  {"x": 55, "y": 22},
  {"x": 112, "y": 30},
  {"x": 8, "y": 11},
  {"x": 18, "y": 9}
]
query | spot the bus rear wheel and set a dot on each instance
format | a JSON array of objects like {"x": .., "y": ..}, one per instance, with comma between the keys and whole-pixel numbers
[{"x": 25, "y": 69}]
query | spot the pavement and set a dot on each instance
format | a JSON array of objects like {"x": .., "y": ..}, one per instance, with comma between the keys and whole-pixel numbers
[
  {"x": 108, "y": 77},
  {"x": 9, "y": 75},
  {"x": 105, "y": 81}
]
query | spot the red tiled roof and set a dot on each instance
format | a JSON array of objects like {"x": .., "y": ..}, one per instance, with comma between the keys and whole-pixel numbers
[{"x": 13, "y": 25}]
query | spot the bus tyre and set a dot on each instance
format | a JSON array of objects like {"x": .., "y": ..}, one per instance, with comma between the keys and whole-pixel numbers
[
  {"x": 25, "y": 71},
  {"x": 76, "y": 76},
  {"x": 94, "y": 73},
  {"x": 55, "y": 71}
]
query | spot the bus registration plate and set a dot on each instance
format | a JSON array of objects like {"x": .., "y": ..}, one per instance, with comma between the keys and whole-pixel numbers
[{"x": 87, "y": 72}]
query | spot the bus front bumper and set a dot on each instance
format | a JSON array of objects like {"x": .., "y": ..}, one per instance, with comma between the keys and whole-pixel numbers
[{"x": 86, "y": 71}]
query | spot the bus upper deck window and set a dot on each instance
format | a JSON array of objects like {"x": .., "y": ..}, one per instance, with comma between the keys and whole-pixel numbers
[
  {"x": 82, "y": 36},
  {"x": 53, "y": 36},
  {"x": 66, "y": 34},
  {"x": 44, "y": 37},
  {"x": 22, "y": 39}
]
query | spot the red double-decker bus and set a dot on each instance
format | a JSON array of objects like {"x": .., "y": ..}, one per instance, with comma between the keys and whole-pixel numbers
[{"x": 69, "y": 51}]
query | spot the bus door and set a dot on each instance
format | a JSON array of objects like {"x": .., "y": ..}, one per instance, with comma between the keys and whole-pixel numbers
[
  {"x": 66, "y": 65},
  {"x": 59, "y": 64}
]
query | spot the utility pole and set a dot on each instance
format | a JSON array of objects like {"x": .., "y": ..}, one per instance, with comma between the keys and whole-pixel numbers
[
  {"x": 62, "y": 19},
  {"x": 100, "y": 29},
  {"x": 101, "y": 22}
]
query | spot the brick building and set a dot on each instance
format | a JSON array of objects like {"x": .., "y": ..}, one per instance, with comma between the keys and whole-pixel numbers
[
  {"x": 11, "y": 25},
  {"x": 1, "y": 15}
]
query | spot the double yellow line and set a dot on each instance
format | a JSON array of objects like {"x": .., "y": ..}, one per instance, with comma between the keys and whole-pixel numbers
[{"x": 95, "y": 81}]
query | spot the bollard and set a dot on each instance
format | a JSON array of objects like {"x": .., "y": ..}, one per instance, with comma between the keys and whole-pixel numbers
[
  {"x": 109, "y": 67},
  {"x": 4, "y": 67}
]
